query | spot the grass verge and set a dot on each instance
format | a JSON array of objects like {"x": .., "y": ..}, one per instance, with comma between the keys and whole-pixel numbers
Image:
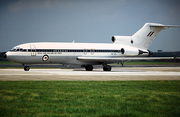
[{"x": 90, "y": 98}]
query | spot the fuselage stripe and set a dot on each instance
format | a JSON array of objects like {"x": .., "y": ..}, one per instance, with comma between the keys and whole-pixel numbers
[{"x": 64, "y": 50}]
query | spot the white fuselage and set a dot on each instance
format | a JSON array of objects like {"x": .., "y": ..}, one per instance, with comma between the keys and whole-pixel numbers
[{"x": 63, "y": 53}]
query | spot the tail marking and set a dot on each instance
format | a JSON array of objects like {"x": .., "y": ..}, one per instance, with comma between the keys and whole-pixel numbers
[{"x": 150, "y": 34}]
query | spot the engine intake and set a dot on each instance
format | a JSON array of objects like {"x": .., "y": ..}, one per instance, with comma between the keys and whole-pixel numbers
[
  {"x": 122, "y": 50},
  {"x": 113, "y": 39}
]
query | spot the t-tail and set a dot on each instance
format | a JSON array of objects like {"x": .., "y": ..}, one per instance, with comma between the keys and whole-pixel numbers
[{"x": 143, "y": 38}]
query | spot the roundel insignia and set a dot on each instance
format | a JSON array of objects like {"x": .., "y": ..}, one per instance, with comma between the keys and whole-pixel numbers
[{"x": 45, "y": 57}]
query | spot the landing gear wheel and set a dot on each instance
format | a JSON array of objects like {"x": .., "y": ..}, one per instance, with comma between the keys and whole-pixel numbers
[
  {"x": 89, "y": 67},
  {"x": 107, "y": 68},
  {"x": 26, "y": 68}
]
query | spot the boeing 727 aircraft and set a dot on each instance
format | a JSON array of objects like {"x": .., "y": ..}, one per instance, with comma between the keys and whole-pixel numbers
[{"x": 123, "y": 48}]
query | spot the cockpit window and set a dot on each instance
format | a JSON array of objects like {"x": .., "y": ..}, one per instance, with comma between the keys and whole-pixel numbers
[
  {"x": 16, "y": 49},
  {"x": 13, "y": 50}
]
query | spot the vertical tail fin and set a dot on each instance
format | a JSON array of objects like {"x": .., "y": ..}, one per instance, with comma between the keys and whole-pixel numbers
[{"x": 146, "y": 35}]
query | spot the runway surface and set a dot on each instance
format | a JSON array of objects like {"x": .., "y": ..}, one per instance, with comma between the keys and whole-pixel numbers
[{"x": 117, "y": 73}]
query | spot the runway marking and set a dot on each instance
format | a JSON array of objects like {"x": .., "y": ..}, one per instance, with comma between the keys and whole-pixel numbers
[
  {"x": 67, "y": 72},
  {"x": 115, "y": 72},
  {"x": 96, "y": 72},
  {"x": 121, "y": 74}
]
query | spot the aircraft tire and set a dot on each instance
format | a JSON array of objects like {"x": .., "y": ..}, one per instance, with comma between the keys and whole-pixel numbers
[
  {"x": 107, "y": 68},
  {"x": 89, "y": 67},
  {"x": 26, "y": 68}
]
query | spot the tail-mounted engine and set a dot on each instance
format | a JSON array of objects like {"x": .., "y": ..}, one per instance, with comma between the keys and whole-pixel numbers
[
  {"x": 130, "y": 50},
  {"x": 135, "y": 52},
  {"x": 127, "y": 40}
]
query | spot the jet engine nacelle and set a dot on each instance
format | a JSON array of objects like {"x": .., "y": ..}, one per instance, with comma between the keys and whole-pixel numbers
[
  {"x": 135, "y": 52},
  {"x": 129, "y": 52},
  {"x": 126, "y": 40}
]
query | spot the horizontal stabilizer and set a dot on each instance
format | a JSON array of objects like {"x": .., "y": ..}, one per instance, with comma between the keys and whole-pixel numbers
[{"x": 161, "y": 25}]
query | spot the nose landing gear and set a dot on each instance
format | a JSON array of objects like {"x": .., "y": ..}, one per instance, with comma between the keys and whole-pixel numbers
[{"x": 26, "y": 67}]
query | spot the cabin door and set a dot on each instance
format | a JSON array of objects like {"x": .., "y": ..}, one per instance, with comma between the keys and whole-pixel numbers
[{"x": 33, "y": 50}]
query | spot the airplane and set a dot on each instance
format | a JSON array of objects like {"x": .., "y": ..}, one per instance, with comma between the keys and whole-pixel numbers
[{"x": 123, "y": 48}]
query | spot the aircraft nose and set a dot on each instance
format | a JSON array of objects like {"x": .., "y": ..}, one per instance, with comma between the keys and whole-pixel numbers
[{"x": 5, "y": 55}]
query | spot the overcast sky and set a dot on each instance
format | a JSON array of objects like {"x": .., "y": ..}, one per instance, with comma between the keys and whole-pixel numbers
[{"x": 94, "y": 21}]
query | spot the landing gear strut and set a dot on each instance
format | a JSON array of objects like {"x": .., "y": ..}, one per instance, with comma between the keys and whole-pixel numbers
[
  {"x": 106, "y": 67},
  {"x": 89, "y": 67},
  {"x": 122, "y": 63}
]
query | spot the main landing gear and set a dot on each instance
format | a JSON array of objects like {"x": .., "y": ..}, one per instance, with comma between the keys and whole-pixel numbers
[
  {"x": 89, "y": 67},
  {"x": 105, "y": 67}
]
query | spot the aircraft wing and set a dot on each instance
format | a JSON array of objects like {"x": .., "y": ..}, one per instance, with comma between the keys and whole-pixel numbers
[{"x": 121, "y": 59}]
